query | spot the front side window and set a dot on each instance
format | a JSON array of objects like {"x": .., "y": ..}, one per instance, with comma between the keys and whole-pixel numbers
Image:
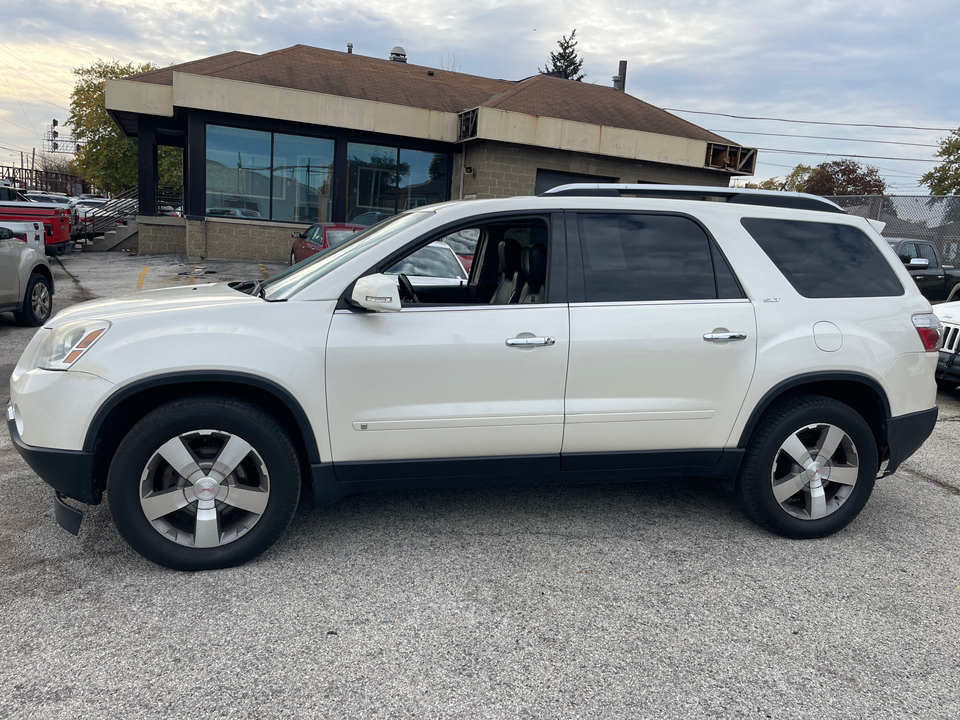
[
  {"x": 927, "y": 251},
  {"x": 825, "y": 260},
  {"x": 634, "y": 257}
]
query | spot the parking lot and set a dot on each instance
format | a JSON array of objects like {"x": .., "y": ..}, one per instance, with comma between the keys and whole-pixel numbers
[{"x": 657, "y": 599}]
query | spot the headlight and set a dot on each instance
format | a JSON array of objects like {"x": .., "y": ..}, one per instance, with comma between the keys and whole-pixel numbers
[{"x": 68, "y": 343}]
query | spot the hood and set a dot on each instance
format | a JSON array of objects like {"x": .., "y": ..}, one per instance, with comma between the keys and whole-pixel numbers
[
  {"x": 948, "y": 312},
  {"x": 154, "y": 301}
]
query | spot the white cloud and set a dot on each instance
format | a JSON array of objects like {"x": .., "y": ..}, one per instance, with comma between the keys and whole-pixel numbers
[{"x": 885, "y": 62}]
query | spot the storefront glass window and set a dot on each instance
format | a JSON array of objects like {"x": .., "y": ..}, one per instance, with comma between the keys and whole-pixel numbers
[
  {"x": 302, "y": 178},
  {"x": 238, "y": 172},
  {"x": 371, "y": 182},
  {"x": 423, "y": 179}
]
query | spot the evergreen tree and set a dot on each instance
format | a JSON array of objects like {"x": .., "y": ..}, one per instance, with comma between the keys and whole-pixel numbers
[{"x": 565, "y": 63}]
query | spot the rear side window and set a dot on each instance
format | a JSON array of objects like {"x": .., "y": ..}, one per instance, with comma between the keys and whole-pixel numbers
[
  {"x": 634, "y": 257},
  {"x": 825, "y": 260}
]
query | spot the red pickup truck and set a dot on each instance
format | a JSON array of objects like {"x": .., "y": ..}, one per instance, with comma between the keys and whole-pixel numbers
[{"x": 55, "y": 219}]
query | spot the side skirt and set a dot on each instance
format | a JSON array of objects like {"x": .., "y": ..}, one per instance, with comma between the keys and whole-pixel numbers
[{"x": 333, "y": 481}]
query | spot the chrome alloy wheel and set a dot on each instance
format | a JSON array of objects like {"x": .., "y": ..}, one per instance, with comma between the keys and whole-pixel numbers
[
  {"x": 815, "y": 471},
  {"x": 204, "y": 488},
  {"x": 40, "y": 301}
]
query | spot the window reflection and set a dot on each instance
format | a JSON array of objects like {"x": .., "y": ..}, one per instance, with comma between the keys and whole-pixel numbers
[
  {"x": 383, "y": 180},
  {"x": 238, "y": 170},
  {"x": 302, "y": 178}
]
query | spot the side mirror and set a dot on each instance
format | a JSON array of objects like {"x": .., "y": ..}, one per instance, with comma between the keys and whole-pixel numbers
[
  {"x": 379, "y": 293},
  {"x": 297, "y": 235},
  {"x": 919, "y": 262}
]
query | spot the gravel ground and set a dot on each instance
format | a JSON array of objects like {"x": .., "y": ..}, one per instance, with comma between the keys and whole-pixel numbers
[{"x": 652, "y": 600}]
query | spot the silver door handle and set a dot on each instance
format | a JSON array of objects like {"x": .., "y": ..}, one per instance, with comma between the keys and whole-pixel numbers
[
  {"x": 528, "y": 342},
  {"x": 719, "y": 337}
]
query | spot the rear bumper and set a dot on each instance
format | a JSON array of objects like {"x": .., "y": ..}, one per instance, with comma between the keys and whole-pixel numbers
[
  {"x": 906, "y": 433},
  {"x": 69, "y": 472}
]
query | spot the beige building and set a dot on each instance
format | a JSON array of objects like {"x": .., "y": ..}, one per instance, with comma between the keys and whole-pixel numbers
[{"x": 277, "y": 141}]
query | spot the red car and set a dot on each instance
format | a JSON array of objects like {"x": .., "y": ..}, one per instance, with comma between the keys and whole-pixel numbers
[{"x": 320, "y": 237}]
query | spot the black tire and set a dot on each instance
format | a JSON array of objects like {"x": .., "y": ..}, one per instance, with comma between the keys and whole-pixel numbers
[
  {"x": 293, "y": 257},
  {"x": 37, "y": 302},
  {"x": 251, "y": 504},
  {"x": 770, "y": 472}
]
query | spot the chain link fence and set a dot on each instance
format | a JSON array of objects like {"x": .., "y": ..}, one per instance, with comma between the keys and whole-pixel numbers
[{"x": 920, "y": 217}]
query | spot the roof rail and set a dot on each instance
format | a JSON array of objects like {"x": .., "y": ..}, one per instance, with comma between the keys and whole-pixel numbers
[{"x": 740, "y": 196}]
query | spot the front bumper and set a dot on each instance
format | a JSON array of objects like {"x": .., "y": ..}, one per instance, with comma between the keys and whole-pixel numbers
[
  {"x": 69, "y": 472},
  {"x": 906, "y": 433}
]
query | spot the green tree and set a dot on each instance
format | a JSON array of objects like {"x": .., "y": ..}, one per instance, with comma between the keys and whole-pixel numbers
[
  {"x": 844, "y": 177},
  {"x": 566, "y": 63},
  {"x": 107, "y": 159},
  {"x": 795, "y": 181},
  {"x": 944, "y": 179}
]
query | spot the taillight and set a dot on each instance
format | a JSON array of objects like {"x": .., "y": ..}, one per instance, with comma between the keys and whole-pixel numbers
[
  {"x": 22, "y": 236},
  {"x": 929, "y": 329}
]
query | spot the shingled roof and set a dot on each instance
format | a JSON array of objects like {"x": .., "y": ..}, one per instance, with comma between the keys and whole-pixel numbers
[{"x": 330, "y": 72}]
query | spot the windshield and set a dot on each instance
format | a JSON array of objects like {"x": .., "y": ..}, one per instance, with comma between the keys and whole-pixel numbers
[
  {"x": 293, "y": 279},
  {"x": 339, "y": 237}
]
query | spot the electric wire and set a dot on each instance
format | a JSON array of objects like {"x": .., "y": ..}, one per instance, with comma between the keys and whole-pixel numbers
[{"x": 811, "y": 122}]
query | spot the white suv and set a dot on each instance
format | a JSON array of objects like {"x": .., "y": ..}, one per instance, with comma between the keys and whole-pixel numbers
[{"x": 606, "y": 332}]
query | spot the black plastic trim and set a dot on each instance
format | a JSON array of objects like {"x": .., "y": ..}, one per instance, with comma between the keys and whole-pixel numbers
[
  {"x": 69, "y": 472},
  {"x": 206, "y": 376},
  {"x": 334, "y": 481},
  {"x": 780, "y": 388},
  {"x": 906, "y": 433}
]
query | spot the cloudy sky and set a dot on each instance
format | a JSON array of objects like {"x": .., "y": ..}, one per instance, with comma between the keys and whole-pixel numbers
[{"x": 860, "y": 65}]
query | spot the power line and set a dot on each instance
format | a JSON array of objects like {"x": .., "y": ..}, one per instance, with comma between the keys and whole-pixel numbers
[
  {"x": 861, "y": 157},
  {"x": 821, "y": 137},
  {"x": 21, "y": 106},
  {"x": 40, "y": 86},
  {"x": 35, "y": 67},
  {"x": 810, "y": 122}
]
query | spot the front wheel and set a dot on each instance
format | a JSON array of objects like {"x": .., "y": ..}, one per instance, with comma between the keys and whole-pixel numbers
[
  {"x": 203, "y": 483},
  {"x": 37, "y": 302},
  {"x": 809, "y": 468}
]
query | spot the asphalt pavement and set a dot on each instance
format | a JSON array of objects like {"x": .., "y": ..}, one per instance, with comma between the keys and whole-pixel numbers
[{"x": 653, "y": 600}]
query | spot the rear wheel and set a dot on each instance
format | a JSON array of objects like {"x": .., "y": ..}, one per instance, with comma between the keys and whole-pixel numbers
[
  {"x": 293, "y": 257},
  {"x": 809, "y": 468},
  {"x": 203, "y": 483},
  {"x": 37, "y": 302}
]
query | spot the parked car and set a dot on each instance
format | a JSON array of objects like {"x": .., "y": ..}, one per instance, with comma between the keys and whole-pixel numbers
[
  {"x": 26, "y": 282},
  {"x": 319, "y": 237},
  {"x": 234, "y": 212},
  {"x": 464, "y": 243},
  {"x": 57, "y": 221},
  {"x": 433, "y": 266},
  {"x": 28, "y": 232},
  {"x": 937, "y": 281},
  {"x": 371, "y": 218},
  {"x": 768, "y": 340},
  {"x": 948, "y": 367}
]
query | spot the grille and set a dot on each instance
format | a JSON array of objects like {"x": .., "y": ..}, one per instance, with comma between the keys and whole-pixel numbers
[{"x": 951, "y": 334}]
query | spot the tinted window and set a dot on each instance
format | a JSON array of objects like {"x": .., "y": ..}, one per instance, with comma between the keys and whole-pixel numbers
[
  {"x": 825, "y": 260},
  {"x": 926, "y": 251},
  {"x": 647, "y": 257}
]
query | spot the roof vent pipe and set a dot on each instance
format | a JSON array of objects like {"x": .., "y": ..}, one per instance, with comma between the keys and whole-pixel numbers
[
  {"x": 622, "y": 74},
  {"x": 398, "y": 54},
  {"x": 349, "y": 48}
]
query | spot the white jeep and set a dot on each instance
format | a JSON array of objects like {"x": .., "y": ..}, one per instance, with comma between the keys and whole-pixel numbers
[{"x": 606, "y": 332}]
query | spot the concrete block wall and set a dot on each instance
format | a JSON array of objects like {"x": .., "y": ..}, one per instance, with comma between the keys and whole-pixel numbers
[
  {"x": 242, "y": 240},
  {"x": 160, "y": 236},
  {"x": 502, "y": 170}
]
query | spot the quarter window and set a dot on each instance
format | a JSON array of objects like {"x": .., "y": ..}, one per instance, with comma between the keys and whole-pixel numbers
[{"x": 825, "y": 260}]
